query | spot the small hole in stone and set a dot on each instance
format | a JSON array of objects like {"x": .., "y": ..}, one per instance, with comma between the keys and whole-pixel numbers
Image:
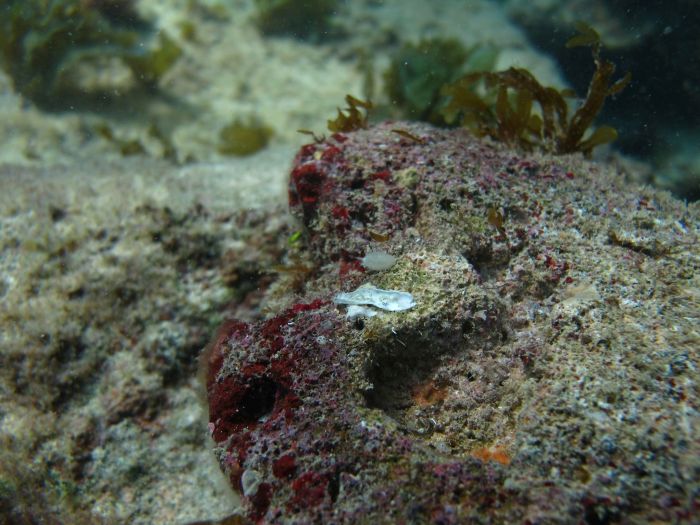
[
  {"x": 334, "y": 487},
  {"x": 258, "y": 401},
  {"x": 468, "y": 327},
  {"x": 402, "y": 376}
]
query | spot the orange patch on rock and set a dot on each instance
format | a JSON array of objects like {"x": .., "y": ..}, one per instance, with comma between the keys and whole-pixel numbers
[
  {"x": 429, "y": 394},
  {"x": 495, "y": 453}
]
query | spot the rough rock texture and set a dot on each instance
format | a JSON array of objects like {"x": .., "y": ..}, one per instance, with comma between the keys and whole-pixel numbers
[
  {"x": 112, "y": 278},
  {"x": 547, "y": 374}
]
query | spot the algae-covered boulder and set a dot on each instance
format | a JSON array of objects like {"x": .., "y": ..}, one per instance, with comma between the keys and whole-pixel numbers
[{"x": 547, "y": 372}]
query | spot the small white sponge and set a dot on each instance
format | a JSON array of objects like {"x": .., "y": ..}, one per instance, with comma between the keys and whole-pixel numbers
[{"x": 377, "y": 261}]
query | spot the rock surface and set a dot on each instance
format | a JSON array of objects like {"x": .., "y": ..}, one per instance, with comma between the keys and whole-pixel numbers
[
  {"x": 547, "y": 374},
  {"x": 112, "y": 278}
]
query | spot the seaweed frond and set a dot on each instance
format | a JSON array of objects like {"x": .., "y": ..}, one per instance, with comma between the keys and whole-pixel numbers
[
  {"x": 599, "y": 89},
  {"x": 317, "y": 138},
  {"x": 408, "y": 135},
  {"x": 587, "y": 36},
  {"x": 501, "y": 105},
  {"x": 353, "y": 118}
]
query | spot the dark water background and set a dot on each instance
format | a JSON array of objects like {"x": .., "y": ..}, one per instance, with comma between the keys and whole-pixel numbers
[{"x": 657, "y": 115}]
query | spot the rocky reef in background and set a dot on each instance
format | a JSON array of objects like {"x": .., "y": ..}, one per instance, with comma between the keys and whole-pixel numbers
[
  {"x": 113, "y": 278},
  {"x": 547, "y": 372}
]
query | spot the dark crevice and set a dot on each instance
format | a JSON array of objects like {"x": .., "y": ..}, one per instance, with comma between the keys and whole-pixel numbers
[{"x": 258, "y": 401}]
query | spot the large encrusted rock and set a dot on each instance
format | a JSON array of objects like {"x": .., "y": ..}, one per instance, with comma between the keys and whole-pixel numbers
[{"x": 546, "y": 374}]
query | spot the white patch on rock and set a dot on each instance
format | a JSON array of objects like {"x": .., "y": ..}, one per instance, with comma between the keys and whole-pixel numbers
[
  {"x": 377, "y": 261},
  {"x": 250, "y": 481},
  {"x": 368, "y": 294},
  {"x": 355, "y": 310}
]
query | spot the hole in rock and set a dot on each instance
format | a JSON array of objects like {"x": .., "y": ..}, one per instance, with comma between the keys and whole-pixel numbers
[
  {"x": 258, "y": 401},
  {"x": 443, "y": 387},
  {"x": 406, "y": 381}
]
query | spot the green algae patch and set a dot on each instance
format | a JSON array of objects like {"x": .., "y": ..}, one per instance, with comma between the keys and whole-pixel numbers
[
  {"x": 417, "y": 72},
  {"x": 149, "y": 68},
  {"x": 241, "y": 138},
  {"x": 49, "y": 47},
  {"x": 305, "y": 20}
]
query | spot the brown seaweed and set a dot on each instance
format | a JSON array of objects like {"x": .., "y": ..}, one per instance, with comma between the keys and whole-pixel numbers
[
  {"x": 352, "y": 118},
  {"x": 502, "y": 105}
]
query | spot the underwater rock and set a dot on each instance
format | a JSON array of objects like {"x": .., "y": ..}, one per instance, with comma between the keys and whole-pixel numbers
[
  {"x": 98, "y": 395},
  {"x": 533, "y": 381}
]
